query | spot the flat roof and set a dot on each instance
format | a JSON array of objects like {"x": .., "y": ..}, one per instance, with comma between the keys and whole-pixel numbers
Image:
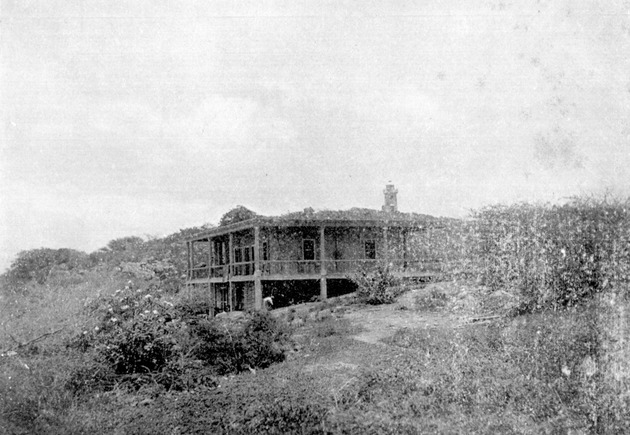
[{"x": 262, "y": 221}]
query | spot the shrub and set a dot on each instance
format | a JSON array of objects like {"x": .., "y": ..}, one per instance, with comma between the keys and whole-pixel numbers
[
  {"x": 376, "y": 286},
  {"x": 431, "y": 300},
  {"x": 257, "y": 343},
  {"x": 38, "y": 264},
  {"x": 136, "y": 334},
  {"x": 554, "y": 255},
  {"x": 141, "y": 338}
]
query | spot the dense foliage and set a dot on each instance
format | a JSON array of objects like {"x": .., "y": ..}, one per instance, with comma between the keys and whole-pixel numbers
[
  {"x": 152, "y": 263},
  {"x": 552, "y": 255},
  {"x": 237, "y": 214},
  {"x": 80, "y": 353},
  {"x": 376, "y": 285},
  {"x": 141, "y": 337},
  {"x": 257, "y": 343},
  {"x": 38, "y": 264}
]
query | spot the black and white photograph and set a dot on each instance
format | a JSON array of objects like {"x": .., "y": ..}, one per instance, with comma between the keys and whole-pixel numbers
[{"x": 314, "y": 217}]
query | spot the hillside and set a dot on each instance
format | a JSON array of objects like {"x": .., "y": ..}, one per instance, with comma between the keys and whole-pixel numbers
[{"x": 527, "y": 333}]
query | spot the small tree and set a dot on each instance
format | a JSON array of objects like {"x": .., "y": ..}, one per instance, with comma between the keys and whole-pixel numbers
[
  {"x": 237, "y": 214},
  {"x": 36, "y": 264}
]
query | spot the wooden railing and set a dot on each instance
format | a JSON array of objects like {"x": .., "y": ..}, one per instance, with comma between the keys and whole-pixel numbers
[
  {"x": 244, "y": 268},
  {"x": 203, "y": 272},
  {"x": 290, "y": 267},
  {"x": 199, "y": 272},
  {"x": 311, "y": 267},
  {"x": 219, "y": 271},
  {"x": 349, "y": 266}
]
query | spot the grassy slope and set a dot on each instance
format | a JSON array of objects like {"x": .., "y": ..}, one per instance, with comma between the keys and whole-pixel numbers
[{"x": 526, "y": 375}]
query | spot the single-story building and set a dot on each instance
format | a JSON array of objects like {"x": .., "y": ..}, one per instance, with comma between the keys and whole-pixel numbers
[{"x": 304, "y": 255}]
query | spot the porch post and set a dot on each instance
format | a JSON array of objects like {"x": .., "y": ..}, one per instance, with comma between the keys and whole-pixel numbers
[
  {"x": 188, "y": 267},
  {"x": 209, "y": 258},
  {"x": 257, "y": 271},
  {"x": 404, "y": 234},
  {"x": 323, "y": 289},
  {"x": 385, "y": 246},
  {"x": 230, "y": 268},
  {"x": 192, "y": 259},
  {"x": 213, "y": 299}
]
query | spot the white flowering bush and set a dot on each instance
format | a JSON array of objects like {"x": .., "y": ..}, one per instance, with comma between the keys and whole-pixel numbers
[
  {"x": 140, "y": 338},
  {"x": 136, "y": 334}
]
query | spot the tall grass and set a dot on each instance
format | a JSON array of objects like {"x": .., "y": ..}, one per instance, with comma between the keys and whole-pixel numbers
[
  {"x": 551, "y": 256},
  {"x": 35, "y": 309},
  {"x": 558, "y": 258}
]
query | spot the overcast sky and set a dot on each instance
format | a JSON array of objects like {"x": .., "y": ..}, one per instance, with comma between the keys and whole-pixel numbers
[{"x": 143, "y": 117}]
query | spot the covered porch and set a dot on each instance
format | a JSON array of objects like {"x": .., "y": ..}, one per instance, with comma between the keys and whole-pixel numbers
[{"x": 295, "y": 251}]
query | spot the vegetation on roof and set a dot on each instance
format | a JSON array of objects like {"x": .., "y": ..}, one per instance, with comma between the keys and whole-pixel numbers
[{"x": 356, "y": 213}]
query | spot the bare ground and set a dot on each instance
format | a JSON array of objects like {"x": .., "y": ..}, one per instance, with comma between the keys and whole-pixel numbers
[{"x": 380, "y": 322}]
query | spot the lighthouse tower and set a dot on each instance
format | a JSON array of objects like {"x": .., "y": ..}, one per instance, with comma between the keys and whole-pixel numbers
[{"x": 391, "y": 202}]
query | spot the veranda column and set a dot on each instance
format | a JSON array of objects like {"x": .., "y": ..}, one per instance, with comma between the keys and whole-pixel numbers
[
  {"x": 257, "y": 271},
  {"x": 405, "y": 235},
  {"x": 188, "y": 267},
  {"x": 230, "y": 268},
  {"x": 209, "y": 258},
  {"x": 192, "y": 259},
  {"x": 323, "y": 285},
  {"x": 210, "y": 285},
  {"x": 385, "y": 246}
]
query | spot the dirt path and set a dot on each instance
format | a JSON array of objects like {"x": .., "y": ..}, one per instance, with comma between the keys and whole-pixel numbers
[{"x": 383, "y": 321}]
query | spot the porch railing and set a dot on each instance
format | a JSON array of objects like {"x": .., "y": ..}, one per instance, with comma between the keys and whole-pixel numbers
[
  {"x": 199, "y": 272},
  {"x": 312, "y": 267},
  {"x": 349, "y": 266},
  {"x": 203, "y": 272},
  {"x": 290, "y": 267},
  {"x": 243, "y": 269},
  {"x": 219, "y": 271}
]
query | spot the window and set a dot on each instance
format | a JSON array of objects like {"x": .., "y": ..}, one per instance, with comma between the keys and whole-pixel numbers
[
  {"x": 309, "y": 249},
  {"x": 265, "y": 251},
  {"x": 246, "y": 252},
  {"x": 238, "y": 255},
  {"x": 370, "y": 249}
]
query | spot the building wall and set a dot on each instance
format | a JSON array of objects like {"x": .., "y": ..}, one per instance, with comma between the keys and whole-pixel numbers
[
  {"x": 286, "y": 243},
  {"x": 341, "y": 243},
  {"x": 349, "y": 243}
]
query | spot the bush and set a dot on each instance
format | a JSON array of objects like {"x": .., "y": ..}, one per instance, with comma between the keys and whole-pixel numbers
[
  {"x": 140, "y": 338},
  {"x": 376, "y": 286},
  {"x": 257, "y": 343},
  {"x": 554, "y": 255},
  {"x": 136, "y": 334},
  {"x": 432, "y": 300},
  {"x": 38, "y": 264}
]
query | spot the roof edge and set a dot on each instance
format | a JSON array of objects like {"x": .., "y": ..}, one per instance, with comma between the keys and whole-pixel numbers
[{"x": 288, "y": 222}]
